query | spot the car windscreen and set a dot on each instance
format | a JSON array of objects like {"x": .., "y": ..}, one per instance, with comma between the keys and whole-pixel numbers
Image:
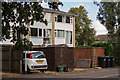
[{"x": 37, "y": 55}]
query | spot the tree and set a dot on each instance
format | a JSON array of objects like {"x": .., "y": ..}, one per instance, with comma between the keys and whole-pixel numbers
[
  {"x": 109, "y": 16},
  {"x": 16, "y": 16},
  {"x": 83, "y": 33},
  {"x": 15, "y": 19},
  {"x": 54, "y": 5}
]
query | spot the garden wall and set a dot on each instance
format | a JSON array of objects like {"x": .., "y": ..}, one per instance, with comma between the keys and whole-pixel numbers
[{"x": 89, "y": 53}]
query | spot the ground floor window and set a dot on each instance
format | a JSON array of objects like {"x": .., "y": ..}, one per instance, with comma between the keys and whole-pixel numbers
[
  {"x": 36, "y": 32},
  {"x": 60, "y": 33},
  {"x": 46, "y": 40},
  {"x": 47, "y": 36},
  {"x": 47, "y": 33},
  {"x": 40, "y": 32},
  {"x": 68, "y": 37}
]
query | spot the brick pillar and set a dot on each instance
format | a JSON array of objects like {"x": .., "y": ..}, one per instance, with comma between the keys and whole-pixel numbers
[{"x": 94, "y": 58}]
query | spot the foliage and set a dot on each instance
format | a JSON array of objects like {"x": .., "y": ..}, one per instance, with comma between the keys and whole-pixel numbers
[
  {"x": 109, "y": 16},
  {"x": 83, "y": 46},
  {"x": 83, "y": 33},
  {"x": 108, "y": 47},
  {"x": 15, "y": 17},
  {"x": 54, "y": 5}
]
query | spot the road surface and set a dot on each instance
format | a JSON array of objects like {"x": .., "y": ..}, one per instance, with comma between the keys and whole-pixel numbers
[{"x": 92, "y": 73}]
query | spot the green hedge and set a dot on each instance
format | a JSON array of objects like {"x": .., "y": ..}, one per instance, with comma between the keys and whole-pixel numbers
[{"x": 108, "y": 47}]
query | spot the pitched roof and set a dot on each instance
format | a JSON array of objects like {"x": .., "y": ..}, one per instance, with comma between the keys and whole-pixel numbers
[
  {"x": 57, "y": 12},
  {"x": 101, "y": 38}
]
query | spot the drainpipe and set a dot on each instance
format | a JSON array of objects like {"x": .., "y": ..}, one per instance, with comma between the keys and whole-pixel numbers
[{"x": 73, "y": 31}]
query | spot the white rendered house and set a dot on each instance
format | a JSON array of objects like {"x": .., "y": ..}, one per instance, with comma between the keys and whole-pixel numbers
[{"x": 60, "y": 29}]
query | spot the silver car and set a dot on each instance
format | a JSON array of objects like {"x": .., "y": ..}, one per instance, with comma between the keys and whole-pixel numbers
[{"x": 35, "y": 60}]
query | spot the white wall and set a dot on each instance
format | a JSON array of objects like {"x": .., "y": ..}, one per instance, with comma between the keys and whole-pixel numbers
[
  {"x": 59, "y": 40},
  {"x": 36, "y": 40},
  {"x": 42, "y": 25},
  {"x": 64, "y": 26},
  {"x": 39, "y": 40},
  {"x": 58, "y": 26}
]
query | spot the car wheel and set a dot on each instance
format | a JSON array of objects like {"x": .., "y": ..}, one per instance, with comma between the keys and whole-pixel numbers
[
  {"x": 28, "y": 70},
  {"x": 42, "y": 70}
]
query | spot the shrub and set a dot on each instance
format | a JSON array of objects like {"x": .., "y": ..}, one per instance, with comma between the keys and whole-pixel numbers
[{"x": 108, "y": 47}]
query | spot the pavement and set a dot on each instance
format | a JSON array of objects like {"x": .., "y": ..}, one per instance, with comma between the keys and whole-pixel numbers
[{"x": 78, "y": 73}]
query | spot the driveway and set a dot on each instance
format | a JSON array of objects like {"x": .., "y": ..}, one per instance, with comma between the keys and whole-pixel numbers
[{"x": 91, "y": 73}]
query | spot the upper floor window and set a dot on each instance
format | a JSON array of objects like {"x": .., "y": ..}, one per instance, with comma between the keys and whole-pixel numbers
[
  {"x": 59, "y": 18},
  {"x": 71, "y": 19},
  {"x": 67, "y": 19}
]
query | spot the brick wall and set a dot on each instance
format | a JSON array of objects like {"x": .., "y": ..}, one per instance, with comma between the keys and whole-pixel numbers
[{"x": 89, "y": 53}]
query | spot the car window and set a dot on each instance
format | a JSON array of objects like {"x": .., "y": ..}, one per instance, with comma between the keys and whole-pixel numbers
[
  {"x": 38, "y": 55},
  {"x": 28, "y": 56}
]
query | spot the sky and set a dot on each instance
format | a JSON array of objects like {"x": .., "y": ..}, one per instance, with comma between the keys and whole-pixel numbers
[{"x": 90, "y": 7}]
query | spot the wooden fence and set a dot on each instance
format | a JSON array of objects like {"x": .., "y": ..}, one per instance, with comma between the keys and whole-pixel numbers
[
  {"x": 56, "y": 56},
  {"x": 11, "y": 59}
]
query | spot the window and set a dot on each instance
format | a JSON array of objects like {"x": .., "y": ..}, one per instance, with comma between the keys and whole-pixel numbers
[
  {"x": 68, "y": 37},
  {"x": 55, "y": 33},
  {"x": 47, "y": 40},
  {"x": 34, "y": 32},
  {"x": 71, "y": 37},
  {"x": 71, "y": 20},
  {"x": 37, "y": 55},
  {"x": 59, "y": 18},
  {"x": 55, "y": 18},
  {"x": 67, "y": 19},
  {"x": 47, "y": 36},
  {"x": 40, "y": 32},
  {"x": 47, "y": 32},
  {"x": 61, "y": 33}
]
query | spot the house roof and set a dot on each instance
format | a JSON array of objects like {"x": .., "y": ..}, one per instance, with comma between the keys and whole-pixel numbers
[
  {"x": 101, "y": 38},
  {"x": 57, "y": 12}
]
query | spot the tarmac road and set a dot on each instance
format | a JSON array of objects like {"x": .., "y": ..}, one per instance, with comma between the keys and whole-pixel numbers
[{"x": 92, "y": 73}]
